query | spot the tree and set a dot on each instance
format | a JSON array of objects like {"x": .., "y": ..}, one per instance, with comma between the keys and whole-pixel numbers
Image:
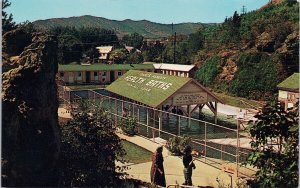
[
  {"x": 275, "y": 146},
  {"x": 135, "y": 40},
  {"x": 89, "y": 150},
  {"x": 134, "y": 58},
  {"x": 195, "y": 42},
  {"x": 118, "y": 56},
  {"x": 7, "y": 20}
]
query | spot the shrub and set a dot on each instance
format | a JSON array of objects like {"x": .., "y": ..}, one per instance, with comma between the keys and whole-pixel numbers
[
  {"x": 176, "y": 144},
  {"x": 275, "y": 146},
  {"x": 89, "y": 150},
  {"x": 129, "y": 126}
]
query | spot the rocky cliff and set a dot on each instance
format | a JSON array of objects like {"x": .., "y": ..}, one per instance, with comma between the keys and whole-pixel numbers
[{"x": 30, "y": 132}]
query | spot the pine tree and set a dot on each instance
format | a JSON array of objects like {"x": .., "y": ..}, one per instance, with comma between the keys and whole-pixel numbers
[{"x": 7, "y": 20}]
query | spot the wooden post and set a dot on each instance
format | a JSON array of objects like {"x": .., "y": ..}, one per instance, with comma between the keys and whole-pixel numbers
[{"x": 189, "y": 116}]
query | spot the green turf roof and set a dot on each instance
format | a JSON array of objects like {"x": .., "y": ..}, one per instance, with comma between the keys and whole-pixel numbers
[
  {"x": 148, "y": 88},
  {"x": 291, "y": 82},
  {"x": 104, "y": 67}
]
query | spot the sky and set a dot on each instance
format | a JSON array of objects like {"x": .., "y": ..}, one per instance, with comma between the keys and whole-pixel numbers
[{"x": 160, "y": 11}]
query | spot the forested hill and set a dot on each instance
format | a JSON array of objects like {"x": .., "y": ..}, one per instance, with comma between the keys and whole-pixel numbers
[{"x": 146, "y": 28}]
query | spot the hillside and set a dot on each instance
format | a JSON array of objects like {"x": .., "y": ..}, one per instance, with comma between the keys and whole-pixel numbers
[
  {"x": 146, "y": 28},
  {"x": 248, "y": 55}
]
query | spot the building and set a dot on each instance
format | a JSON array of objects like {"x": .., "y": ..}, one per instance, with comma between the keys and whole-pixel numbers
[
  {"x": 164, "y": 92},
  {"x": 104, "y": 52},
  {"x": 288, "y": 91},
  {"x": 174, "y": 69},
  {"x": 97, "y": 73}
]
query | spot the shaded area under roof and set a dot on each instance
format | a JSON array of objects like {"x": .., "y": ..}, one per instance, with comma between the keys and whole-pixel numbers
[
  {"x": 169, "y": 66},
  {"x": 291, "y": 83}
]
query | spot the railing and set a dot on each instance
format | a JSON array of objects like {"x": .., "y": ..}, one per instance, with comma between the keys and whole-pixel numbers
[{"x": 154, "y": 123}]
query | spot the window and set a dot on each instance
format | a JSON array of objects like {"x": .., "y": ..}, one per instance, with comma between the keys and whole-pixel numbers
[
  {"x": 61, "y": 74},
  {"x": 79, "y": 76},
  {"x": 119, "y": 73},
  {"x": 104, "y": 74},
  {"x": 95, "y": 73}
]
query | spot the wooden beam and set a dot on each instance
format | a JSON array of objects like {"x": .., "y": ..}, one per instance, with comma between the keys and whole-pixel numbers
[
  {"x": 211, "y": 108},
  {"x": 179, "y": 107},
  {"x": 195, "y": 108},
  {"x": 212, "y": 105}
]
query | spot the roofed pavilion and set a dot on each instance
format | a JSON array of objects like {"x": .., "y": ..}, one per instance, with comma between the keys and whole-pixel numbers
[{"x": 164, "y": 92}]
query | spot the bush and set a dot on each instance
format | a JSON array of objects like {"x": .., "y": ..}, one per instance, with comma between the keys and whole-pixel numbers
[
  {"x": 129, "y": 126},
  {"x": 275, "y": 146},
  {"x": 89, "y": 150},
  {"x": 176, "y": 144}
]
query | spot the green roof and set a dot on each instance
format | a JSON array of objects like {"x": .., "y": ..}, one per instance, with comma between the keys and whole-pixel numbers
[
  {"x": 104, "y": 67},
  {"x": 291, "y": 83},
  {"x": 146, "y": 87}
]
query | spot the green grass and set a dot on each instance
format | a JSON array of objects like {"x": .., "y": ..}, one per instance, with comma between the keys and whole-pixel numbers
[
  {"x": 84, "y": 87},
  {"x": 136, "y": 154},
  {"x": 239, "y": 101}
]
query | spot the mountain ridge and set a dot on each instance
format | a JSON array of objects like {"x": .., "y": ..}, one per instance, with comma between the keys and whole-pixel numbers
[{"x": 144, "y": 27}]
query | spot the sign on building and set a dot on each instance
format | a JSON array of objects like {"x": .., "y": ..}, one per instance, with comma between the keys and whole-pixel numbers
[{"x": 189, "y": 98}]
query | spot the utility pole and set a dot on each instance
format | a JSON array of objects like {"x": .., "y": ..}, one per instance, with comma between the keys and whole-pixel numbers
[
  {"x": 244, "y": 10},
  {"x": 174, "y": 48}
]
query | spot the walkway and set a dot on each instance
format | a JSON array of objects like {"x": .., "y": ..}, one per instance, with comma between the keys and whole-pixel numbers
[{"x": 204, "y": 175}]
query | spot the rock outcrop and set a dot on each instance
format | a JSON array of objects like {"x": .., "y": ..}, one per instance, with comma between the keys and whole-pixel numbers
[{"x": 30, "y": 131}]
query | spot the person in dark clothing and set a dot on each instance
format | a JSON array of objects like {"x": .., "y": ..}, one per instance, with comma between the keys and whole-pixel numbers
[
  {"x": 188, "y": 165},
  {"x": 157, "y": 169}
]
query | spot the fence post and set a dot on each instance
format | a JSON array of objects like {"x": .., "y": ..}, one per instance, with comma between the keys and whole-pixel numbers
[
  {"x": 138, "y": 114},
  {"x": 147, "y": 119},
  {"x": 222, "y": 152},
  {"x": 116, "y": 115},
  {"x": 178, "y": 125},
  {"x": 159, "y": 125},
  {"x": 94, "y": 98},
  {"x": 237, "y": 149},
  {"x": 133, "y": 109},
  {"x": 205, "y": 140}
]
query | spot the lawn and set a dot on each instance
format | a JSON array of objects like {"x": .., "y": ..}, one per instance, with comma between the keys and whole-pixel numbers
[
  {"x": 239, "y": 101},
  {"x": 136, "y": 154},
  {"x": 85, "y": 87}
]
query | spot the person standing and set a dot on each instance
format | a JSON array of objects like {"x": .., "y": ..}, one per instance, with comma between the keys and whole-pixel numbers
[
  {"x": 188, "y": 165},
  {"x": 157, "y": 169}
]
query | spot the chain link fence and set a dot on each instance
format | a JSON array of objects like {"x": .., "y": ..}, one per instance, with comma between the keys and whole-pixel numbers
[{"x": 161, "y": 125}]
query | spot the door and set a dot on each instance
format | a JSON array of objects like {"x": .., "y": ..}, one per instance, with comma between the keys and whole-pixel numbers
[
  {"x": 112, "y": 76},
  {"x": 88, "y": 76}
]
